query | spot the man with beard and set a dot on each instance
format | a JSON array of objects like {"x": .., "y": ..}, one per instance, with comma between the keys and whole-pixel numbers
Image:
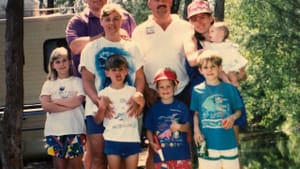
[{"x": 160, "y": 41}]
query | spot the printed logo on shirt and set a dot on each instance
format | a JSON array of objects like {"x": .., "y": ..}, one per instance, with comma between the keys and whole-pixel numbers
[{"x": 150, "y": 30}]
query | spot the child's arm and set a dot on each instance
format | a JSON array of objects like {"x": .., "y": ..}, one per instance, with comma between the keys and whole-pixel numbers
[
  {"x": 150, "y": 137},
  {"x": 49, "y": 106},
  {"x": 71, "y": 102},
  {"x": 198, "y": 136},
  {"x": 180, "y": 127},
  {"x": 229, "y": 121},
  {"x": 104, "y": 109}
]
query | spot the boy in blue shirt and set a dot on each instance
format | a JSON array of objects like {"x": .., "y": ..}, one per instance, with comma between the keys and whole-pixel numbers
[{"x": 217, "y": 105}]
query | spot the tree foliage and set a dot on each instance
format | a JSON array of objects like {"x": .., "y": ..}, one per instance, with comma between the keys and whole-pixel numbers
[{"x": 269, "y": 33}]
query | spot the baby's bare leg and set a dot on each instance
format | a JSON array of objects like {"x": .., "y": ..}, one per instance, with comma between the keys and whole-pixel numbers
[
  {"x": 223, "y": 76},
  {"x": 233, "y": 78}
]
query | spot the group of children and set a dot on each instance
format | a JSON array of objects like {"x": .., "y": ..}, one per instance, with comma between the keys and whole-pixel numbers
[{"x": 215, "y": 103}]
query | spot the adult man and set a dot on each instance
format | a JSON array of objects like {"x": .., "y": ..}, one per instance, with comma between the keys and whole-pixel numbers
[
  {"x": 82, "y": 29},
  {"x": 162, "y": 46},
  {"x": 85, "y": 27}
]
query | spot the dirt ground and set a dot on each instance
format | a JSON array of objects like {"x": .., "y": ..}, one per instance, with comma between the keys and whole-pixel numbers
[{"x": 47, "y": 163}]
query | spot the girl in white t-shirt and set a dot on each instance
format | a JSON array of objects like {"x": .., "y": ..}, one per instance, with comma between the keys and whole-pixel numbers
[{"x": 61, "y": 97}]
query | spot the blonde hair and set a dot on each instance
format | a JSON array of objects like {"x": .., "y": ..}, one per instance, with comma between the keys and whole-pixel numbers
[
  {"x": 109, "y": 8},
  {"x": 55, "y": 54},
  {"x": 209, "y": 56}
]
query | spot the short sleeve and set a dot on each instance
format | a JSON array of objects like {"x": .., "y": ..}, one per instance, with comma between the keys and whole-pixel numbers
[
  {"x": 79, "y": 87},
  {"x": 76, "y": 28},
  {"x": 46, "y": 89},
  {"x": 148, "y": 123}
]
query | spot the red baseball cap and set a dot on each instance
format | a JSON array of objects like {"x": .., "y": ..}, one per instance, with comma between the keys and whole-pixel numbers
[{"x": 165, "y": 74}]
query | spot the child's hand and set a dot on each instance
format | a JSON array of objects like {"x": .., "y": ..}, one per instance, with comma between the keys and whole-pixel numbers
[
  {"x": 104, "y": 109},
  {"x": 154, "y": 146},
  {"x": 198, "y": 137},
  {"x": 136, "y": 104},
  {"x": 175, "y": 126},
  {"x": 228, "y": 122}
]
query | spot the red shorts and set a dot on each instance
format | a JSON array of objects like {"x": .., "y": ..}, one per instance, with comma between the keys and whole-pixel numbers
[{"x": 174, "y": 164}]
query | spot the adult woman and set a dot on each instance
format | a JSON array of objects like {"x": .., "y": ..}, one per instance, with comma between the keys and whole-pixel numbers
[
  {"x": 200, "y": 16},
  {"x": 92, "y": 68}
]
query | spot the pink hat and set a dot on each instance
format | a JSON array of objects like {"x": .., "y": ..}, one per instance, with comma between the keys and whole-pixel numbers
[
  {"x": 165, "y": 74},
  {"x": 197, "y": 7}
]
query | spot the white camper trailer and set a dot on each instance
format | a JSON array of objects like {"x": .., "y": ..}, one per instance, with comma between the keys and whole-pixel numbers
[{"x": 41, "y": 35}]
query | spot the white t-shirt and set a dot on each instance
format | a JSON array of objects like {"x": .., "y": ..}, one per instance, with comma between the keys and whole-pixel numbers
[
  {"x": 232, "y": 60},
  {"x": 101, "y": 49},
  {"x": 66, "y": 122},
  {"x": 121, "y": 127},
  {"x": 163, "y": 48}
]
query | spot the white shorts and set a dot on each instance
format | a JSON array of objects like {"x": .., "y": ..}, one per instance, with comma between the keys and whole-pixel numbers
[{"x": 220, "y": 159}]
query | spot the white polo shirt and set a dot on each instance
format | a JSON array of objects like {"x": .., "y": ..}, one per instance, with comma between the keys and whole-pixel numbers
[{"x": 163, "y": 48}]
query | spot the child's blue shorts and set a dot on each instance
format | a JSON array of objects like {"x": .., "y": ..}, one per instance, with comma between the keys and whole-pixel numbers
[{"x": 123, "y": 149}]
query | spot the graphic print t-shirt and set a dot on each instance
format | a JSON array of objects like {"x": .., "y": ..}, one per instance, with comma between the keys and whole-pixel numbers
[
  {"x": 214, "y": 103},
  {"x": 174, "y": 144}
]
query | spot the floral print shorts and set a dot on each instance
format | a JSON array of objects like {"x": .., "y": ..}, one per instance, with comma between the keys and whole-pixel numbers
[{"x": 66, "y": 146}]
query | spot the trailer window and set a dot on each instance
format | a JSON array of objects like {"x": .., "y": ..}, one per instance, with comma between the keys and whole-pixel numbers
[{"x": 51, "y": 44}]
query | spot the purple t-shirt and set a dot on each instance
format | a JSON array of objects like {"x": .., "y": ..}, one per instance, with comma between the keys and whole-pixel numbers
[{"x": 87, "y": 24}]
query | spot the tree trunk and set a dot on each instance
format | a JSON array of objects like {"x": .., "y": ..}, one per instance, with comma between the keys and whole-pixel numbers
[
  {"x": 175, "y": 6},
  {"x": 219, "y": 10},
  {"x": 11, "y": 156},
  {"x": 186, "y": 3}
]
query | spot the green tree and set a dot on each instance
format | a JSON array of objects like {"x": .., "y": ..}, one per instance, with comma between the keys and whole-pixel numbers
[{"x": 268, "y": 32}]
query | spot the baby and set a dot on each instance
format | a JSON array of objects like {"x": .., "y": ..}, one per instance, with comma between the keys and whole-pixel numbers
[{"x": 233, "y": 61}]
